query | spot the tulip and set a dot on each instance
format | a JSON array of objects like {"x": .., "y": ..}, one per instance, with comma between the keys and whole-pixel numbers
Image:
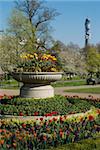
[
  {"x": 91, "y": 118},
  {"x": 21, "y": 114},
  {"x": 41, "y": 119}
]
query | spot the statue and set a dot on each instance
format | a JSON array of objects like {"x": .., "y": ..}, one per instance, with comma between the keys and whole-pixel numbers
[{"x": 87, "y": 31}]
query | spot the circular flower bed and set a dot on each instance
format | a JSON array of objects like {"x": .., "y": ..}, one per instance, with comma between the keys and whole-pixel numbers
[
  {"x": 43, "y": 133},
  {"x": 50, "y": 122}
]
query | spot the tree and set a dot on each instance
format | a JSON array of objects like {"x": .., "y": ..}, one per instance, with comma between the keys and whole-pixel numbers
[
  {"x": 93, "y": 60},
  {"x": 70, "y": 57},
  {"x": 39, "y": 17},
  {"x": 98, "y": 47},
  {"x": 29, "y": 22}
]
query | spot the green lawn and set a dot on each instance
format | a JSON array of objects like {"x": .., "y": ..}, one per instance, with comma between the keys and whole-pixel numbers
[
  {"x": 13, "y": 84},
  {"x": 88, "y": 144},
  {"x": 9, "y": 84},
  {"x": 95, "y": 90},
  {"x": 69, "y": 83}
]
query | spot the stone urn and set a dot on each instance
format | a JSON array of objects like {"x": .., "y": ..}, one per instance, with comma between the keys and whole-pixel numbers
[
  {"x": 36, "y": 84},
  {"x": 1, "y": 74}
]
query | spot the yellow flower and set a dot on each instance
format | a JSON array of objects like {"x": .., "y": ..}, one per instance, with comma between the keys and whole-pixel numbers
[
  {"x": 31, "y": 56},
  {"x": 44, "y": 57},
  {"x": 53, "y": 69},
  {"x": 54, "y": 58},
  {"x": 23, "y": 56},
  {"x": 36, "y": 56}
]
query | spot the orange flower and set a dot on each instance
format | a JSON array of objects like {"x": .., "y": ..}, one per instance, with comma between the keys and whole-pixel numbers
[
  {"x": 44, "y": 138},
  {"x": 34, "y": 134},
  {"x": 1, "y": 142},
  {"x": 98, "y": 111},
  {"x": 20, "y": 138},
  {"x": 4, "y": 130},
  {"x": 81, "y": 119}
]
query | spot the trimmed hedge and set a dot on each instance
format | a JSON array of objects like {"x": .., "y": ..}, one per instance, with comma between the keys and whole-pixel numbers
[{"x": 87, "y": 144}]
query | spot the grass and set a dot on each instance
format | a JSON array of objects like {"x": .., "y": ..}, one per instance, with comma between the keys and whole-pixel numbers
[
  {"x": 88, "y": 144},
  {"x": 69, "y": 83},
  {"x": 94, "y": 90},
  {"x": 9, "y": 84},
  {"x": 13, "y": 84}
]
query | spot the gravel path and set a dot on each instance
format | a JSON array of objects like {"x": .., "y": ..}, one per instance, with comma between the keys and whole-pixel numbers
[{"x": 59, "y": 90}]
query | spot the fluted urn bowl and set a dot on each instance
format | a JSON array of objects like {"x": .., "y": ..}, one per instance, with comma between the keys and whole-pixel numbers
[{"x": 36, "y": 84}]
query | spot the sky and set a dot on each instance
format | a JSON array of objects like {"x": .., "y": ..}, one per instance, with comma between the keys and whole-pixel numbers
[{"x": 69, "y": 25}]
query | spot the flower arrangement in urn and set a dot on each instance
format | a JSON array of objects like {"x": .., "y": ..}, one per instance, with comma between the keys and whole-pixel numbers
[
  {"x": 38, "y": 62},
  {"x": 36, "y": 71}
]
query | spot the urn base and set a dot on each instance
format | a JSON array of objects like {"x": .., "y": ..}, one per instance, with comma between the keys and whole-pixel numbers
[{"x": 36, "y": 91}]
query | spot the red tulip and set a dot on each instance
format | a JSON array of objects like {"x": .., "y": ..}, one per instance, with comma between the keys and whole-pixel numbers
[
  {"x": 1, "y": 97},
  {"x": 61, "y": 133},
  {"x": 48, "y": 114},
  {"x": 41, "y": 119},
  {"x": 36, "y": 113},
  {"x": 50, "y": 120},
  {"x": 21, "y": 114},
  {"x": 24, "y": 125},
  {"x": 10, "y": 97},
  {"x": 91, "y": 118},
  {"x": 54, "y": 119},
  {"x": 61, "y": 119},
  {"x": 54, "y": 113}
]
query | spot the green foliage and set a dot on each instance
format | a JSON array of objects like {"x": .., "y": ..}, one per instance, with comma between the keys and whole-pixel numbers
[
  {"x": 59, "y": 104},
  {"x": 87, "y": 144},
  {"x": 93, "y": 60}
]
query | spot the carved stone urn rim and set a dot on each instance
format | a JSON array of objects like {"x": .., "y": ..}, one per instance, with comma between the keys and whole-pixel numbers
[
  {"x": 37, "y": 73},
  {"x": 36, "y": 77}
]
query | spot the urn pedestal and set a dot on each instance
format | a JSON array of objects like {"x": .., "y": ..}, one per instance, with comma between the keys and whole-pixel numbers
[{"x": 36, "y": 85}]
